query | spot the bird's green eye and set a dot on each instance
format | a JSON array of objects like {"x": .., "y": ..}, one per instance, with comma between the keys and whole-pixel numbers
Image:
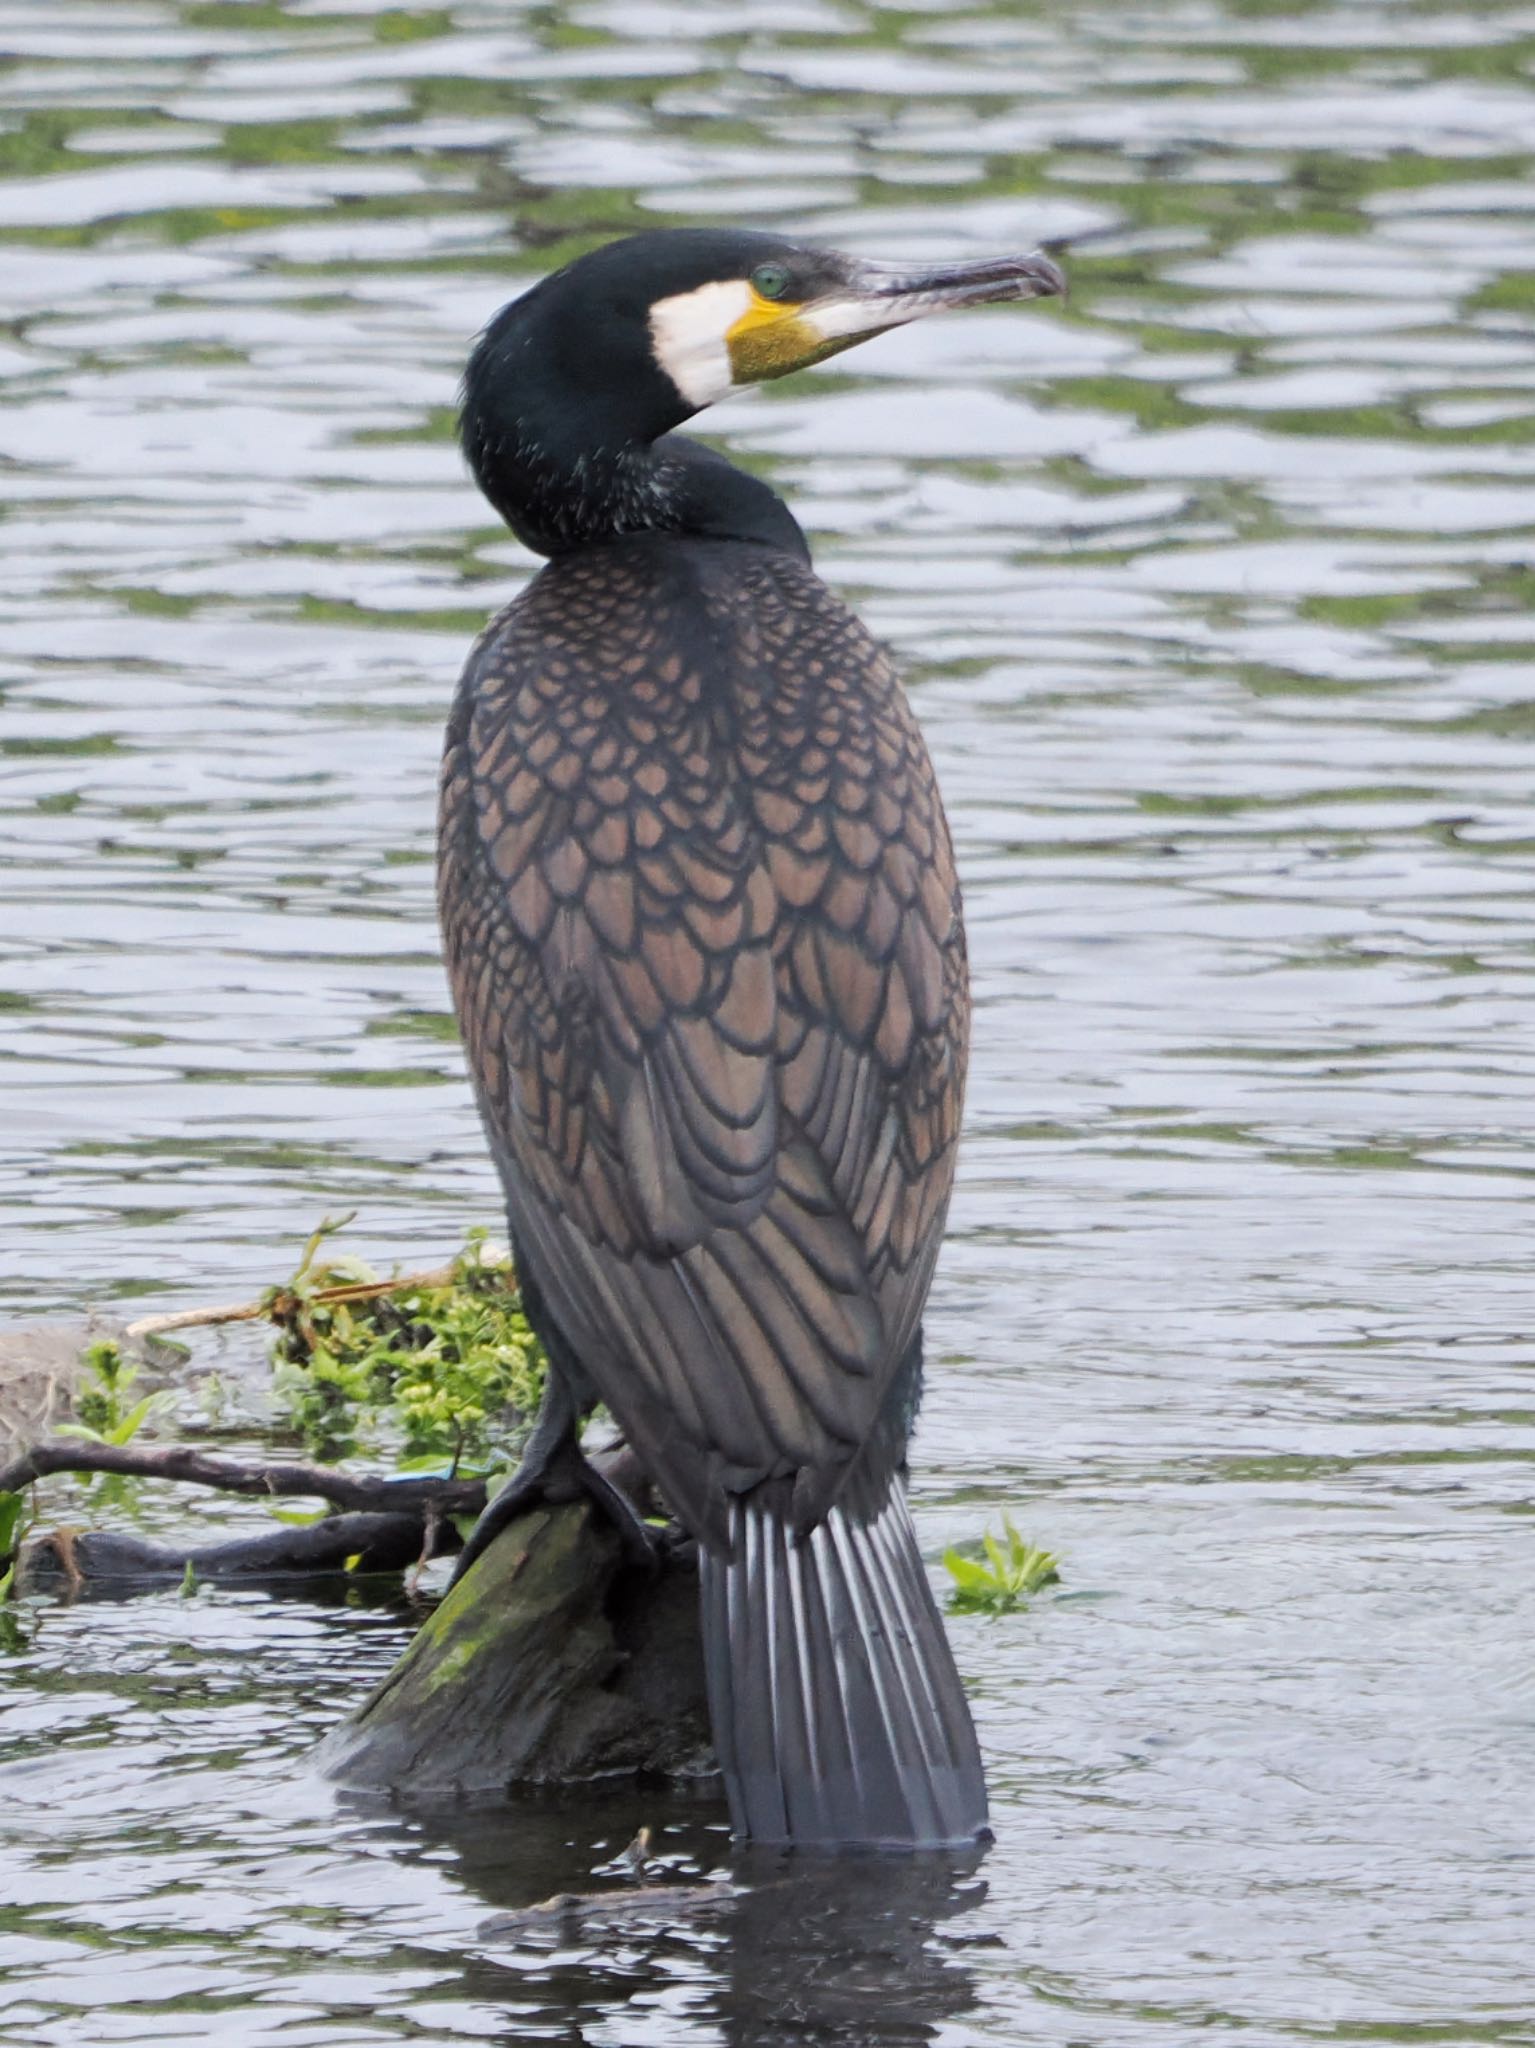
[{"x": 770, "y": 280}]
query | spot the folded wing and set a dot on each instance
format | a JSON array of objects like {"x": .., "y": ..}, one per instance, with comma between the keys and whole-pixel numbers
[{"x": 705, "y": 945}]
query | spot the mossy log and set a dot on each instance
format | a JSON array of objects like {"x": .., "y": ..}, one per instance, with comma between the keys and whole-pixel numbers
[{"x": 552, "y": 1661}]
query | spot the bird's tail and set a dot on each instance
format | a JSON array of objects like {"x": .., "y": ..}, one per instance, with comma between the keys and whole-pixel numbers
[{"x": 839, "y": 1718}]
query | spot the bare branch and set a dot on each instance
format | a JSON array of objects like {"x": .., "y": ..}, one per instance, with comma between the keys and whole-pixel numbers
[{"x": 357, "y": 1492}]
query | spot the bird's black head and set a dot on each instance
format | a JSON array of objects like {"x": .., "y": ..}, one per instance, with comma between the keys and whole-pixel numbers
[{"x": 571, "y": 385}]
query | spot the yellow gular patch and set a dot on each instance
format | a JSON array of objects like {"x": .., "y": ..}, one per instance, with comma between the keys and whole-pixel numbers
[{"x": 770, "y": 339}]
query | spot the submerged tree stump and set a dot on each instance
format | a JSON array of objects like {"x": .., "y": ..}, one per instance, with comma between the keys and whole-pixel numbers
[{"x": 551, "y": 1662}]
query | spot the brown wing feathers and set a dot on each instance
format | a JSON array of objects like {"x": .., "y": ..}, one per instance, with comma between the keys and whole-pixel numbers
[{"x": 702, "y": 927}]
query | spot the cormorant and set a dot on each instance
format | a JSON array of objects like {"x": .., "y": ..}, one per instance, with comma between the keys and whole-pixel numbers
[{"x": 704, "y": 936}]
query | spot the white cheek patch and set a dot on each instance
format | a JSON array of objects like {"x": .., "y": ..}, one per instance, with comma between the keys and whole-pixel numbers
[{"x": 687, "y": 336}]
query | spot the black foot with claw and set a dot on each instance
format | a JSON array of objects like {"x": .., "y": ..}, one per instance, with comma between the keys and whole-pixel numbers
[{"x": 553, "y": 1469}]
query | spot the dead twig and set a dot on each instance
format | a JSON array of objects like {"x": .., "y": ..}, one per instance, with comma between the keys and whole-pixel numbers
[
  {"x": 589, "y": 1910},
  {"x": 352, "y": 1491},
  {"x": 431, "y": 1531},
  {"x": 66, "y": 1544},
  {"x": 278, "y": 1305}
]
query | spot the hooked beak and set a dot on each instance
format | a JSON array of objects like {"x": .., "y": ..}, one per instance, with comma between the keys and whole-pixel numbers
[
  {"x": 771, "y": 339},
  {"x": 902, "y": 294}
]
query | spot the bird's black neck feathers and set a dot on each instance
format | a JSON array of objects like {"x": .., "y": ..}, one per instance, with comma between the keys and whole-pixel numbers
[
  {"x": 557, "y": 499},
  {"x": 569, "y": 435}
]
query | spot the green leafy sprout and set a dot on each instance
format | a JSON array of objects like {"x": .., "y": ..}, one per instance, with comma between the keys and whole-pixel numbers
[
  {"x": 14, "y": 1515},
  {"x": 101, "y": 1416},
  {"x": 999, "y": 1576},
  {"x": 104, "y": 1416},
  {"x": 450, "y": 1374}
]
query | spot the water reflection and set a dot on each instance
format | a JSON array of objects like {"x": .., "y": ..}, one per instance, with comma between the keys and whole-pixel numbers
[
  {"x": 750, "y": 1948},
  {"x": 758, "y": 1949},
  {"x": 833, "y": 1952}
]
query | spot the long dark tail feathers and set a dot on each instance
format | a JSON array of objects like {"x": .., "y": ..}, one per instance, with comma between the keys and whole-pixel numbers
[{"x": 839, "y": 1717}]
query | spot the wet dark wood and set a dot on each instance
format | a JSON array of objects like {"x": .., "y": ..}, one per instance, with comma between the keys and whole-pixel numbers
[
  {"x": 551, "y": 1662},
  {"x": 103, "y": 1561}
]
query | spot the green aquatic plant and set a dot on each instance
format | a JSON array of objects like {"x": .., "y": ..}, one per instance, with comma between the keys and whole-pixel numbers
[
  {"x": 448, "y": 1369},
  {"x": 13, "y": 1522},
  {"x": 100, "y": 1414},
  {"x": 998, "y": 1577}
]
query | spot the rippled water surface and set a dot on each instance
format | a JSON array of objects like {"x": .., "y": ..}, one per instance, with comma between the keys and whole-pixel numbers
[{"x": 1216, "y": 591}]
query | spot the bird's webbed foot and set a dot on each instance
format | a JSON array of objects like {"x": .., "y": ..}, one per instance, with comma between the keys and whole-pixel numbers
[{"x": 554, "y": 1470}]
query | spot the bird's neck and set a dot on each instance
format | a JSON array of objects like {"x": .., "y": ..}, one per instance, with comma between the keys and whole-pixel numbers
[{"x": 558, "y": 495}]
